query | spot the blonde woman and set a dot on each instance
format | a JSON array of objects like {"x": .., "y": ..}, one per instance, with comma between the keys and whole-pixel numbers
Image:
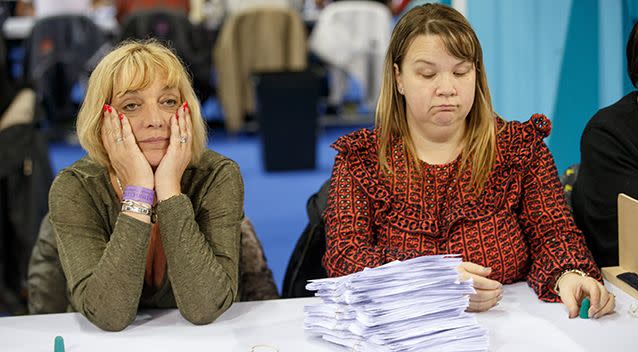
[
  {"x": 150, "y": 217},
  {"x": 441, "y": 173}
]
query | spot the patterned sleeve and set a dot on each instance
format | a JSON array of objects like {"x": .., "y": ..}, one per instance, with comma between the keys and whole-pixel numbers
[
  {"x": 555, "y": 241},
  {"x": 351, "y": 243}
]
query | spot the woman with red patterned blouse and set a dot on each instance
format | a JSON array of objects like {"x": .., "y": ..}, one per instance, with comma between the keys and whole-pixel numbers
[{"x": 441, "y": 173}]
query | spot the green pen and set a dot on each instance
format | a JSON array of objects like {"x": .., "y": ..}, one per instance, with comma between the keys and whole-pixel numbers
[
  {"x": 58, "y": 345},
  {"x": 584, "y": 309}
]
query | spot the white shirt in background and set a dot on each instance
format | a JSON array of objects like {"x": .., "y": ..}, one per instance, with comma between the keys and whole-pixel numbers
[{"x": 43, "y": 8}]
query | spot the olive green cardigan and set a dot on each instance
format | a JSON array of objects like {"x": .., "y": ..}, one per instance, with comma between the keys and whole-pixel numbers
[{"x": 103, "y": 252}]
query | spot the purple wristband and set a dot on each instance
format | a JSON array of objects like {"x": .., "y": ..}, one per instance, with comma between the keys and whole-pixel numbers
[{"x": 139, "y": 194}]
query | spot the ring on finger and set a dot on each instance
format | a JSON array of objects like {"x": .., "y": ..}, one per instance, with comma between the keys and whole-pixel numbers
[
  {"x": 119, "y": 140},
  {"x": 183, "y": 139}
]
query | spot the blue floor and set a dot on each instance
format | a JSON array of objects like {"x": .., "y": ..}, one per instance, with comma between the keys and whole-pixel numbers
[{"x": 275, "y": 202}]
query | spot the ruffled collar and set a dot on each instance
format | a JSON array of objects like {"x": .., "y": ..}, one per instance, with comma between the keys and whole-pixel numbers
[{"x": 394, "y": 197}]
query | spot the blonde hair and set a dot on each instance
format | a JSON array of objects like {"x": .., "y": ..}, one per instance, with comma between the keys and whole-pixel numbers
[
  {"x": 460, "y": 40},
  {"x": 138, "y": 64}
]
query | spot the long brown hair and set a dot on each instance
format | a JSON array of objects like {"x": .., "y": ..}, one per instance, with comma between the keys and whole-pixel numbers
[{"x": 460, "y": 40}]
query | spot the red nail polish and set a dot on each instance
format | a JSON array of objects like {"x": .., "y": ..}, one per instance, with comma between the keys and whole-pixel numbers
[
  {"x": 109, "y": 108},
  {"x": 176, "y": 115},
  {"x": 121, "y": 116},
  {"x": 104, "y": 108},
  {"x": 186, "y": 104}
]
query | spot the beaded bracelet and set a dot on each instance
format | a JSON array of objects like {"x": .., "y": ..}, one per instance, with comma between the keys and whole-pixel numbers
[
  {"x": 139, "y": 194},
  {"x": 570, "y": 271}
]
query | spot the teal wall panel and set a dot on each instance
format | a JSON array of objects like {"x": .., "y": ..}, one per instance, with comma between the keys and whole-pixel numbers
[
  {"x": 577, "y": 96},
  {"x": 523, "y": 43},
  {"x": 562, "y": 58},
  {"x": 611, "y": 54}
]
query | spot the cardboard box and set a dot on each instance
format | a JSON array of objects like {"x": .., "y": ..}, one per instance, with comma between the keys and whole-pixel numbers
[{"x": 627, "y": 244}]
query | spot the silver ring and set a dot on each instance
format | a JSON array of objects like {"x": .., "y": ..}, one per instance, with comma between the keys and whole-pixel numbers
[
  {"x": 119, "y": 140},
  {"x": 183, "y": 139}
]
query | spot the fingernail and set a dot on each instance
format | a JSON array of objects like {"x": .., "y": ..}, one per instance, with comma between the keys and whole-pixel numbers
[
  {"x": 185, "y": 105},
  {"x": 108, "y": 107},
  {"x": 487, "y": 268},
  {"x": 177, "y": 115},
  {"x": 121, "y": 116},
  {"x": 104, "y": 108}
]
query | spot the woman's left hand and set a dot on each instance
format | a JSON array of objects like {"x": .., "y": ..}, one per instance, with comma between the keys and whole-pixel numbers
[
  {"x": 168, "y": 174},
  {"x": 574, "y": 288}
]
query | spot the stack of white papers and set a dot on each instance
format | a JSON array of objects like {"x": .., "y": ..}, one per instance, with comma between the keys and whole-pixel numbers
[{"x": 413, "y": 305}]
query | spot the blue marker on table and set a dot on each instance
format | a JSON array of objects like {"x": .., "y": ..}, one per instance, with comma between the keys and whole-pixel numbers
[
  {"x": 58, "y": 345},
  {"x": 584, "y": 309}
]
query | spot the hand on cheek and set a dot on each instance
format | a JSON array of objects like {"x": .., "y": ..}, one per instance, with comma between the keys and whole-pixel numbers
[
  {"x": 127, "y": 160},
  {"x": 168, "y": 174}
]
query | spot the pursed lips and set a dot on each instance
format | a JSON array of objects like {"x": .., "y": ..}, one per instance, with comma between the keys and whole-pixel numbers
[
  {"x": 445, "y": 107},
  {"x": 153, "y": 140}
]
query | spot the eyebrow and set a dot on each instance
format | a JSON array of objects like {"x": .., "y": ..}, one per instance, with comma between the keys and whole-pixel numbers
[
  {"x": 136, "y": 91},
  {"x": 429, "y": 63}
]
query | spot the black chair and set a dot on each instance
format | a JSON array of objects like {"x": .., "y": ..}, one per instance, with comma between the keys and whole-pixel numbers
[
  {"x": 193, "y": 44},
  {"x": 25, "y": 179},
  {"x": 56, "y": 53},
  {"x": 305, "y": 261}
]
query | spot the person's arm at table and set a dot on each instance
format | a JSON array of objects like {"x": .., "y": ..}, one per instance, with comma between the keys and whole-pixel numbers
[
  {"x": 104, "y": 270},
  {"x": 556, "y": 243},
  {"x": 202, "y": 250}
]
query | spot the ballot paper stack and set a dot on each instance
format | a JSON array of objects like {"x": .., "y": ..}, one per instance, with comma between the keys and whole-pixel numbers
[{"x": 413, "y": 305}]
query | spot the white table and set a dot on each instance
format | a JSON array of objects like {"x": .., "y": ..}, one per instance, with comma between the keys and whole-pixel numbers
[{"x": 520, "y": 323}]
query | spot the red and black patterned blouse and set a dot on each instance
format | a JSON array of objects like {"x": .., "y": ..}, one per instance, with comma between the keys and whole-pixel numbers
[{"x": 520, "y": 225}]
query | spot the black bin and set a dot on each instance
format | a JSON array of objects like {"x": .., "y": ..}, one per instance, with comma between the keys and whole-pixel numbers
[{"x": 287, "y": 113}]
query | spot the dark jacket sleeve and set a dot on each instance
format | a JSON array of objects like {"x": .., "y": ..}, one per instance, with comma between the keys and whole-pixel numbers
[{"x": 609, "y": 166}]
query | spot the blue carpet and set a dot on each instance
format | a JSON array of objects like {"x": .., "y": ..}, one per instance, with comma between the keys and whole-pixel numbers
[{"x": 275, "y": 202}]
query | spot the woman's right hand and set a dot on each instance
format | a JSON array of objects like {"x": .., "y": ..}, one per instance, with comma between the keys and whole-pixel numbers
[
  {"x": 127, "y": 160},
  {"x": 488, "y": 292}
]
